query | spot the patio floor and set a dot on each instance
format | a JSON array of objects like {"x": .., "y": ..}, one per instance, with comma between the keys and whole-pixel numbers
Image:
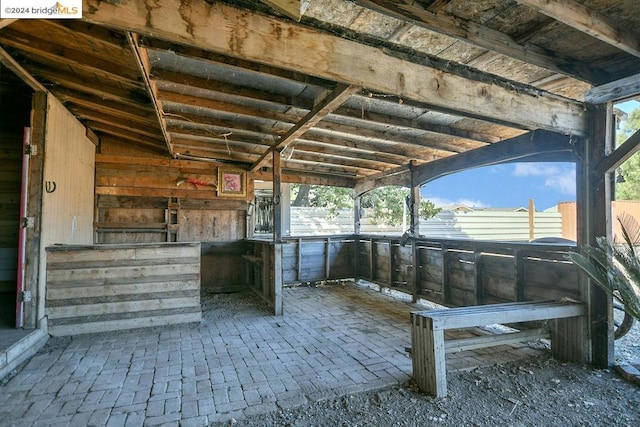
[{"x": 332, "y": 340}]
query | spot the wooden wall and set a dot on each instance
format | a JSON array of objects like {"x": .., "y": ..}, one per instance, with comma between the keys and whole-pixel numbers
[
  {"x": 138, "y": 200},
  {"x": 114, "y": 287}
]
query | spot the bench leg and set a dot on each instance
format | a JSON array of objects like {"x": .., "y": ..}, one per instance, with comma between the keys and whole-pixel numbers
[
  {"x": 569, "y": 339},
  {"x": 427, "y": 353}
]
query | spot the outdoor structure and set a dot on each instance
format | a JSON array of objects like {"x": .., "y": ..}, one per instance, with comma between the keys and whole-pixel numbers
[{"x": 148, "y": 123}]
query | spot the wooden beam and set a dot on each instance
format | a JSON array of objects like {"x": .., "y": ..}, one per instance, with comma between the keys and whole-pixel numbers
[
  {"x": 292, "y": 8},
  {"x": 618, "y": 156},
  {"x": 144, "y": 65},
  {"x": 520, "y": 148},
  {"x": 8, "y": 61},
  {"x": 593, "y": 198},
  {"x": 323, "y": 108},
  {"x": 614, "y": 91},
  {"x": 277, "y": 196},
  {"x": 589, "y": 21},
  {"x": 90, "y": 86},
  {"x": 479, "y": 35},
  {"x": 269, "y": 41},
  {"x": 5, "y": 22}
]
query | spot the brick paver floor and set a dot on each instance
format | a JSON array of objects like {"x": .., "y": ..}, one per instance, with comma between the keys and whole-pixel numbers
[{"x": 332, "y": 340}]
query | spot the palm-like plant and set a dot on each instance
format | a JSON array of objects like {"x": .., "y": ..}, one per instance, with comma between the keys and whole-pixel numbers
[{"x": 615, "y": 267}]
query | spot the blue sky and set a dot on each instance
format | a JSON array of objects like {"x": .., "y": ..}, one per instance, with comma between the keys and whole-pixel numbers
[{"x": 510, "y": 185}]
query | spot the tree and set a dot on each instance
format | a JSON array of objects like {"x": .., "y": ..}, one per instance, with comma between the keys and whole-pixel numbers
[
  {"x": 630, "y": 189},
  {"x": 386, "y": 203}
]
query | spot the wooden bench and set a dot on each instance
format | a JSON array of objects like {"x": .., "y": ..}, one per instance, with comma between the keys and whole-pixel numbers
[{"x": 567, "y": 333}]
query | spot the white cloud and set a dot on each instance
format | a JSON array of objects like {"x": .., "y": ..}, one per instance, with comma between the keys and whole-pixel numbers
[
  {"x": 563, "y": 183},
  {"x": 560, "y": 178},
  {"x": 535, "y": 169},
  {"x": 441, "y": 202}
]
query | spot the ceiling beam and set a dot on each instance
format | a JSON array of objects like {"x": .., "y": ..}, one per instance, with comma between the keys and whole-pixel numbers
[
  {"x": 144, "y": 65},
  {"x": 271, "y": 41},
  {"x": 614, "y": 91},
  {"x": 323, "y": 108},
  {"x": 479, "y": 35},
  {"x": 589, "y": 21},
  {"x": 521, "y": 148}
]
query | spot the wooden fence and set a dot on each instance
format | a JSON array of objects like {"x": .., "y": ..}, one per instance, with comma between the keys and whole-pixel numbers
[{"x": 448, "y": 272}]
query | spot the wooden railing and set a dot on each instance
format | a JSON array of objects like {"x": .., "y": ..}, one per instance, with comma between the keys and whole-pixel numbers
[
  {"x": 447, "y": 272},
  {"x": 466, "y": 272}
]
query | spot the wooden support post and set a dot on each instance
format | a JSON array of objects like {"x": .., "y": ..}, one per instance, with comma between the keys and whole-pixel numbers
[
  {"x": 356, "y": 257},
  {"x": 518, "y": 266},
  {"x": 372, "y": 259},
  {"x": 391, "y": 268},
  {"x": 277, "y": 197},
  {"x": 34, "y": 209},
  {"x": 428, "y": 356},
  {"x": 445, "y": 276},
  {"x": 277, "y": 280},
  {"x": 356, "y": 215},
  {"x": 594, "y": 220},
  {"x": 414, "y": 197},
  {"x": 327, "y": 258},
  {"x": 415, "y": 270},
  {"x": 477, "y": 275},
  {"x": 299, "y": 273}
]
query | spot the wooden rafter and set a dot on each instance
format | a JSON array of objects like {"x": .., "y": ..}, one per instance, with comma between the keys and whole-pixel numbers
[
  {"x": 323, "y": 108},
  {"x": 8, "y": 61},
  {"x": 52, "y": 52},
  {"x": 478, "y": 35},
  {"x": 142, "y": 60},
  {"x": 588, "y": 21},
  {"x": 521, "y": 148},
  {"x": 613, "y": 91},
  {"x": 268, "y": 41}
]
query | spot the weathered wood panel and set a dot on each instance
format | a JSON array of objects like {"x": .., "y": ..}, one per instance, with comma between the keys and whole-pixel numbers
[
  {"x": 545, "y": 279},
  {"x": 342, "y": 259},
  {"x": 113, "y": 287},
  {"x": 430, "y": 263},
  {"x": 144, "y": 198},
  {"x": 222, "y": 267},
  {"x": 498, "y": 278},
  {"x": 67, "y": 212},
  {"x": 382, "y": 262}
]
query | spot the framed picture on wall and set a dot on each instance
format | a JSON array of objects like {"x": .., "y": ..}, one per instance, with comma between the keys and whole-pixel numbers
[{"x": 232, "y": 183}]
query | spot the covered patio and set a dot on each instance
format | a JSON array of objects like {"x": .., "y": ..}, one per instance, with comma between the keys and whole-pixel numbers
[
  {"x": 133, "y": 138},
  {"x": 332, "y": 340}
]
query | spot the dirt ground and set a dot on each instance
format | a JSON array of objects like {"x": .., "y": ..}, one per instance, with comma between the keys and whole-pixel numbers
[{"x": 538, "y": 392}]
